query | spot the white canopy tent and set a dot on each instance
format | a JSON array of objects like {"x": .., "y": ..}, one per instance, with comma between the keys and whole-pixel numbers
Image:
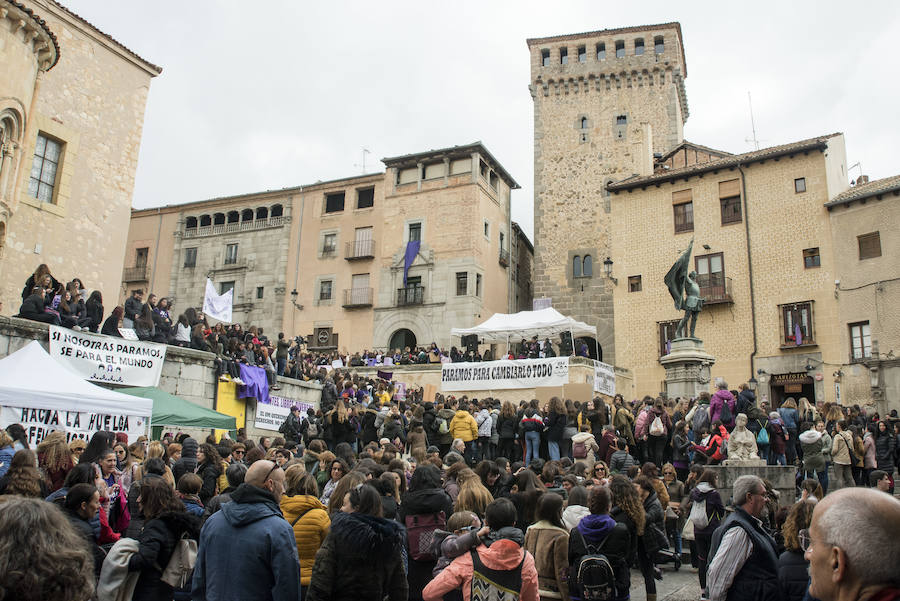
[
  {"x": 502, "y": 327},
  {"x": 30, "y": 377}
]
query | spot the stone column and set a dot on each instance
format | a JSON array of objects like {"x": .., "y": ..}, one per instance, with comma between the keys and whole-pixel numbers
[{"x": 7, "y": 152}]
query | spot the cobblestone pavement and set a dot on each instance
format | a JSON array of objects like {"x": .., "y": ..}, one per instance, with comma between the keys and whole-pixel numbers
[{"x": 682, "y": 585}]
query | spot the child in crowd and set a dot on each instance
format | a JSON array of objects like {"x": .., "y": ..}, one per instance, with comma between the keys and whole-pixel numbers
[
  {"x": 189, "y": 486},
  {"x": 465, "y": 532}
]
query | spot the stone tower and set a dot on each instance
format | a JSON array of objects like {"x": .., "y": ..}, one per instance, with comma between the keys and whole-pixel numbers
[{"x": 604, "y": 102}]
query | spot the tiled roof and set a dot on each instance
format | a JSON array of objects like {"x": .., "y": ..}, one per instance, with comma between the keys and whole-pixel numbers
[
  {"x": 110, "y": 38},
  {"x": 818, "y": 143},
  {"x": 479, "y": 147},
  {"x": 873, "y": 188},
  {"x": 43, "y": 25},
  {"x": 700, "y": 147}
]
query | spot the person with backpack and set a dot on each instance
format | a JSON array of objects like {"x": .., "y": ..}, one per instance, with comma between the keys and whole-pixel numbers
[
  {"x": 497, "y": 567},
  {"x": 705, "y": 512},
  {"x": 443, "y": 416},
  {"x": 291, "y": 427},
  {"x": 584, "y": 447},
  {"x": 424, "y": 509},
  {"x": 812, "y": 444},
  {"x": 722, "y": 405},
  {"x": 657, "y": 433}
]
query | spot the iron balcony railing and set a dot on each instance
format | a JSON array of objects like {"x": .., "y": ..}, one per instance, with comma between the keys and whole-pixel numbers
[
  {"x": 411, "y": 295},
  {"x": 357, "y": 297}
]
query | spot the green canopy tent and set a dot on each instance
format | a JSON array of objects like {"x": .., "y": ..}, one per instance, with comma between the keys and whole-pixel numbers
[{"x": 172, "y": 411}]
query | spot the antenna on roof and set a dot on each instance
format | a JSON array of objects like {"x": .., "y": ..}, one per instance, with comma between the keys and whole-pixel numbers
[
  {"x": 752, "y": 123},
  {"x": 365, "y": 151}
]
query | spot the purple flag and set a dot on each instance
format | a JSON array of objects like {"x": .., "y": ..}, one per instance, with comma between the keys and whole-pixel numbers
[
  {"x": 385, "y": 375},
  {"x": 798, "y": 334},
  {"x": 412, "y": 249}
]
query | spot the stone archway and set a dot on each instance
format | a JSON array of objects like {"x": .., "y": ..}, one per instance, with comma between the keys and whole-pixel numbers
[{"x": 401, "y": 339}]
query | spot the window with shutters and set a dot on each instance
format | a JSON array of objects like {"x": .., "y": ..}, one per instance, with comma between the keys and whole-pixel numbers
[
  {"x": 231, "y": 254},
  {"x": 730, "y": 201},
  {"x": 869, "y": 245},
  {"x": 576, "y": 266},
  {"x": 860, "y": 341},
  {"x": 714, "y": 286},
  {"x": 683, "y": 207},
  {"x": 797, "y": 324}
]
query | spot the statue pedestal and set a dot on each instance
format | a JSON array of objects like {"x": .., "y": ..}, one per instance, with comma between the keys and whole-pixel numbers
[
  {"x": 687, "y": 368},
  {"x": 744, "y": 462},
  {"x": 781, "y": 478}
]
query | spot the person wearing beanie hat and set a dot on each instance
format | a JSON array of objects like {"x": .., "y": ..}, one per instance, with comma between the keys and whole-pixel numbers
[{"x": 187, "y": 464}]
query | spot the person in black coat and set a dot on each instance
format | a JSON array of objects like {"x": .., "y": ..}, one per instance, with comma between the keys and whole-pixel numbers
[
  {"x": 82, "y": 502},
  {"x": 425, "y": 497},
  {"x": 33, "y": 308},
  {"x": 555, "y": 423},
  {"x": 209, "y": 468},
  {"x": 39, "y": 279},
  {"x": 166, "y": 523},
  {"x": 793, "y": 569},
  {"x": 188, "y": 461},
  {"x": 113, "y": 322},
  {"x": 94, "y": 310},
  {"x": 654, "y": 537}
]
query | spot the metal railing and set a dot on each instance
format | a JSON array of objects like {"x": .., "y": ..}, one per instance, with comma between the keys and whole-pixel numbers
[
  {"x": 411, "y": 295},
  {"x": 360, "y": 249},
  {"x": 230, "y": 228},
  {"x": 715, "y": 289},
  {"x": 357, "y": 297},
  {"x": 135, "y": 274}
]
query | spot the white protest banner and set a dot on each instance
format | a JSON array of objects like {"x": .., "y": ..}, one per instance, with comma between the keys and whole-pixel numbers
[
  {"x": 270, "y": 416},
  {"x": 217, "y": 306},
  {"x": 604, "y": 378},
  {"x": 499, "y": 375},
  {"x": 39, "y": 423},
  {"x": 108, "y": 359}
]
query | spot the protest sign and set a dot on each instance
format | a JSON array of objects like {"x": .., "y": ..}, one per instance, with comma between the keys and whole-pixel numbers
[
  {"x": 270, "y": 416},
  {"x": 500, "y": 375},
  {"x": 39, "y": 423},
  {"x": 218, "y": 306},
  {"x": 604, "y": 378},
  {"x": 106, "y": 358}
]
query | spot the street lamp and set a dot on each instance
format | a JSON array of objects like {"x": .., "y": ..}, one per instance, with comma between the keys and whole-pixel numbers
[
  {"x": 752, "y": 383},
  {"x": 294, "y": 295},
  {"x": 607, "y": 267}
]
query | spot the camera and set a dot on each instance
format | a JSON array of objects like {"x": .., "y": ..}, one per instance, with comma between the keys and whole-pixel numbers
[{"x": 299, "y": 340}]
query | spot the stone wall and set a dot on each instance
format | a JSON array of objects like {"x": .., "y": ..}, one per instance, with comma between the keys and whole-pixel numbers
[{"x": 781, "y": 478}]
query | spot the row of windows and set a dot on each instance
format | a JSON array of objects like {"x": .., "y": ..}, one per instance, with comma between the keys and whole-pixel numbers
[
  {"x": 245, "y": 215},
  {"x": 190, "y": 256},
  {"x": 334, "y": 201},
  {"x": 659, "y": 47}
]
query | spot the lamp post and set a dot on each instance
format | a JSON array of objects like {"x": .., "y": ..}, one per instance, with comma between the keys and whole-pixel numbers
[
  {"x": 294, "y": 295},
  {"x": 752, "y": 384},
  {"x": 607, "y": 267}
]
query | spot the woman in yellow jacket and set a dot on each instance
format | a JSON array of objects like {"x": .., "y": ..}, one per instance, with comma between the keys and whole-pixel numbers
[
  {"x": 464, "y": 427},
  {"x": 307, "y": 516}
]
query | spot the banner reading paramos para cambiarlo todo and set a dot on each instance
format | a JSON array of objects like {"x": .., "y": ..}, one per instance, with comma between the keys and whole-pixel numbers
[
  {"x": 499, "y": 375},
  {"x": 106, "y": 358}
]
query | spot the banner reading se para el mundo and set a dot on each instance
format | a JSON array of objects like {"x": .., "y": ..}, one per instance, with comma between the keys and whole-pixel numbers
[{"x": 106, "y": 358}]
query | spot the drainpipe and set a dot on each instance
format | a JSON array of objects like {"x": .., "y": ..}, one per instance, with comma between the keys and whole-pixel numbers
[
  {"x": 297, "y": 259},
  {"x": 749, "y": 269},
  {"x": 156, "y": 250}
]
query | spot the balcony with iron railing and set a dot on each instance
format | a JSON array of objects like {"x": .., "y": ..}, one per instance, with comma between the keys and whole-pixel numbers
[
  {"x": 231, "y": 228},
  {"x": 360, "y": 249},
  {"x": 714, "y": 289},
  {"x": 357, "y": 297},
  {"x": 411, "y": 295},
  {"x": 135, "y": 274},
  {"x": 504, "y": 257}
]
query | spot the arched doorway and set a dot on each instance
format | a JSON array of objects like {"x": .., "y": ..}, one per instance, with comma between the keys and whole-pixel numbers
[
  {"x": 401, "y": 339},
  {"x": 595, "y": 351}
]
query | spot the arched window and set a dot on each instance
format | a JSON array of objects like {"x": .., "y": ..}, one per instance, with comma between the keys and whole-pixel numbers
[
  {"x": 576, "y": 266},
  {"x": 233, "y": 216},
  {"x": 190, "y": 223},
  {"x": 219, "y": 219},
  {"x": 262, "y": 213},
  {"x": 584, "y": 123},
  {"x": 247, "y": 215},
  {"x": 276, "y": 211},
  {"x": 205, "y": 220},
  {"x": 588, "y": 266}
]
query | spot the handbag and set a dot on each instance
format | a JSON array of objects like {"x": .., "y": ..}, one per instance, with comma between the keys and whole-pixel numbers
[{"x": 687, "y": 533}]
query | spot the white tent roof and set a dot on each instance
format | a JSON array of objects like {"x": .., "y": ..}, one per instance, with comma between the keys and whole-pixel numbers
[
  {"x": 501, "y": 327},
  {"x": 30, "y": 377}
]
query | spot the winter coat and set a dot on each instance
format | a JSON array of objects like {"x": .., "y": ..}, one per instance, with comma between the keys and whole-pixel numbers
[
  {"x": 447, "y": 415},
  {"x": 209, "y": 473},
  {"x": 416, "y": 440},
  {"x": 715, "y": 510},
  {"x": 507, "y": 426},
  {"x": 790, "y": 417},
  {"x": 869, "y": 460},
  {"x": 777, "y": 436},
  {"x": 606, "y": 446},
  {"x": 503, "y": 554},
  {"x": 357, "y": 540},
  {"x": 592, "y": 447},
  {"x": 840, "y": 447},
  {"x": 680, "y": 447},
  {"x": 745, "y": 401},
  {"x": 573, "y": 514},
  {"x": 663, "y": 417},
  {"x": 556, "y": 422},
  {"x": 309, "y": 531},
  {"x": 428, "y": 418},
  {"x": 156, "y": 542},
  {"x": 266, "y": 567},
  {"x": 793, "y": 575},
  {"x": 341, "y": 431},
  {"x": 428, "y": 501},
  {"x": 32, "y": 306},
  {"x": 187, "y": 464},
  {"x": 885, "y": 445},
  {"x": 484, "y": 421},
  {"x": 6, "y": 456},
  {"x": 624, "y": 423},
  {"x": 593, "y": 530},
  {"x": 464, "y": 427},
  {"x": 549, "y": 545},
  {"x": 654, "y": 537},
  {"x": 95, "y": 314},
  {"x": 717, "y": 401},
  {"x": 811, "y": 443},
  {"x": 133, "y": 308},
  {"x": 620, "y": 461},
  {"x": 642, "y": 423}
]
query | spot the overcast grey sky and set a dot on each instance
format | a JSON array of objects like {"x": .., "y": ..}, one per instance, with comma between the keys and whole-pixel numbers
[{"x": 264, "y": 95}]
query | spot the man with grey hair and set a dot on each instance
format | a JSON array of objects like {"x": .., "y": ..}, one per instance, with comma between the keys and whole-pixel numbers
[
  {"x": 744, "y": 561},
  {"x": 852, "y": 546}
]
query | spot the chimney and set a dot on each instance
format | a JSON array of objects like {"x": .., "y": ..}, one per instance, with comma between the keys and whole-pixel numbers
[
  {"x": 646, "y": 158},
  {"x": 862, "y": 179}
]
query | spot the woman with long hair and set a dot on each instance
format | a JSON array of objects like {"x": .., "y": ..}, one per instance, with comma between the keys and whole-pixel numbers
[
  {"x": 674, "y": 515},
  {"x": 528, "y": 489},
  {"x": 113, "y": 322},
  {"x": 555, "y": 424},
  {"x": 337, "y": 470},
  {"x": 793, "y": 568},
  {"x": 359, "y": 536},
  {"x": 166, "y": 523},
  {"x": 20, "y": 438},
  {"x": 507, "y": 427},
  {"x": 209, "y": 468},
  {"x": 627, "y": 509},
  {"x": 548, "y": 541},
  {"x": 654, "y": 538},
  {"x": 55, "y": 459},
  {"x": 23, "y": 478},
  {"x": 473, "y": 496},
  {"x": 7, "y": 450},
  {"x": 348, "y": 482},
  {"x": 307, "y": 516},
  {"x": 94, "y": 310}
]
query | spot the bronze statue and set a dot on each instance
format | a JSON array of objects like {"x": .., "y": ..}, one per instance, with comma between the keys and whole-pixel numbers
[{"x": 682, "y": 285}]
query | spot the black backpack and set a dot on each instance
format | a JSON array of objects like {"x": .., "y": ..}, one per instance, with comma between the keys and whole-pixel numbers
[
  {"x": 725, "y": 415},
  {"x": 592, "y": 578}
]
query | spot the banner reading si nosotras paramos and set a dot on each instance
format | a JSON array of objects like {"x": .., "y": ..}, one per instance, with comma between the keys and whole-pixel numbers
[{"x": 106, "y": 358}]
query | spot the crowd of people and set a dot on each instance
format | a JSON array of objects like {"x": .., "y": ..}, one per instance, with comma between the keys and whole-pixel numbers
[{"x": 374, "y": 497}]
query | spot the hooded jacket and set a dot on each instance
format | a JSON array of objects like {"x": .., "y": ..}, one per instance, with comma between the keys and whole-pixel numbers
[
  {"x": 593, "y": 530},
  {"x": 187, "y": 464},
  {"x": 360, "y": 560},
  {"x": 267, "y": 566},
  {"x": 156, "y": 542},
  {"x": 573, "y": 514},
  {"x": 464, "y": 427},
  {"x": 549, "y": 545},
  {"x": 715, "y": 510},
  {"x": 717, "y": 401},
  {"x": 501, "y": 554},
  {"x": 812, "y": 444},
  {"x": 485, "y": 423},
  {"x": 310, "y": 529}
]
